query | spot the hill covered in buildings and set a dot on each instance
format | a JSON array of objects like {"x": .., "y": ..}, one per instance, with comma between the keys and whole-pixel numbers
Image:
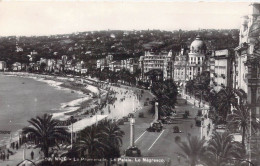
[{"x": 90, "y": 46}]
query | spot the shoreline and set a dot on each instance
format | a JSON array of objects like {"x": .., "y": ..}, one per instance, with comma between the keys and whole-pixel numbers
[
  {"x": 60, "y": 113},
  {"x": 63, "y": 83},
  {"x": 81, "y": 107}
]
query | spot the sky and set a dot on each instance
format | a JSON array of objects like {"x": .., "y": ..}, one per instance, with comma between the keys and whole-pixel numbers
[{"x": 59, "y": 17}]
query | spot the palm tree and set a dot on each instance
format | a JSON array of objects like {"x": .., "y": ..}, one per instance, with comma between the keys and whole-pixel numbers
[
  {"x": 240, "y": 118},
  {"x": 221, "y": 147},
  {"x": 90, "y": 142},
  {"x": 45, "y": 130},
  {"x": 226, "y": 98},
  {"x": 193, "y": 149},
  {"x": 112, "y": 138}
]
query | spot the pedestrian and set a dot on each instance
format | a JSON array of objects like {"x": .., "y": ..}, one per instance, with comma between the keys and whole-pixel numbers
[
  {"x": 32, "y": 155},
  {"x": 1, "y": 156},
  {"x": 191, "y": 125},
  {"x": 4, "y": 156},
  {"x": 7, "y": 156},
  {"x": 16, "y": 146},
  {"x": 179, "y": 159}
]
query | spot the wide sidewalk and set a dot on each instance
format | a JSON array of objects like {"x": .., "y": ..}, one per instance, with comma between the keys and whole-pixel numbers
[{"x": 207, "y": 124}]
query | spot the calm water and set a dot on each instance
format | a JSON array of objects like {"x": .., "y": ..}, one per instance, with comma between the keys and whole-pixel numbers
[{"x": 24, "y": 98}]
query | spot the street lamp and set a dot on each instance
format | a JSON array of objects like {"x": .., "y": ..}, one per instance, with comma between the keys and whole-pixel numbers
[{"x": 71, "y": 138}]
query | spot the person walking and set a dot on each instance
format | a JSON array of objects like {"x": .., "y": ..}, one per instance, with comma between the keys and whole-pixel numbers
[
  {"x": 32, "y": 155},
  {"x": 179, "y": 159},
  {"x": 7, "y": 156}
]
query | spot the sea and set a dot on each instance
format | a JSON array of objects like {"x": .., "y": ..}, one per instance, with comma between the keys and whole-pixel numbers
[{"x": 24, "y": 98}]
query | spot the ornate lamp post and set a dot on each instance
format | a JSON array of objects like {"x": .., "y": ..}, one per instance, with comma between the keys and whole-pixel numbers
[{"x": 132, "y": 150}]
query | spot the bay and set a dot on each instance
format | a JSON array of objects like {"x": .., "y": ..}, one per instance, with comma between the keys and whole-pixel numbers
[{"x": 25, "y": 98}]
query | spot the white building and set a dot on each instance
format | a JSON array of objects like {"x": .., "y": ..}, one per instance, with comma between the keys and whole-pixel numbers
[
  {"x": 159, "y": 62},
  {"x": 221, "y": 69},
  {"x": 247, "y": 64},
  {"x": 196, "y": 58}
]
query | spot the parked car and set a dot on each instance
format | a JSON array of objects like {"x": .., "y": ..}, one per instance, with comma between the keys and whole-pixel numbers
[
  {"x": 155, "y": 127},
  {"x": 141, "y": 115},
  {"x": 176, "y": 129},
  {"x": 120, "y": 122}
]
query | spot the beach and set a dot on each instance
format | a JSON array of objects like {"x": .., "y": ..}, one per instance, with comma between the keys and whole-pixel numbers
[{"x": 82, "y": 99}]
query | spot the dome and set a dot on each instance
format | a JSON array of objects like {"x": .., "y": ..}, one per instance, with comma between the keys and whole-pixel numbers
[{"x": 198, "y": 45}]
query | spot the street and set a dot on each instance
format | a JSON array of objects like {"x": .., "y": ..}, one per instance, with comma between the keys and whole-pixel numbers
[{"x": 161, "y": 144}]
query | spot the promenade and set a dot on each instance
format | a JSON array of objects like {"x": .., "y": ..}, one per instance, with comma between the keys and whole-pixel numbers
[{"x": 127, "y": 101}]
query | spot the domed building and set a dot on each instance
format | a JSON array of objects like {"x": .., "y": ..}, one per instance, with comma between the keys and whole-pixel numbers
[
  {"x": 190, "y": 62},
  {"x": 198, "y": 46},
  {"x": 196, "y": 58}
]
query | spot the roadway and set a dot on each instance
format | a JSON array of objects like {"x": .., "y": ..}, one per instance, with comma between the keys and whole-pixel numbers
[{"x": 160, "y": 144}]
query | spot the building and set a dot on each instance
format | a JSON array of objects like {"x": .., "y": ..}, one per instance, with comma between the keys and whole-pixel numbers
[
  {"x": 158, "y": 62},
  {"x": 104, "y": 62},
  {"x": 196, "y": 58},
  {"x": 129, "y": 64},
  {"x": 2, "y": 65},
  {"x": 168, "y": 67},
  {"x": 180, "y": 67},
  {"x": 190, "y": 62},
  {"x": 246, "y": 67},
  {"x": 115, "y": 66},
  {"x": 221, "y": 69}
]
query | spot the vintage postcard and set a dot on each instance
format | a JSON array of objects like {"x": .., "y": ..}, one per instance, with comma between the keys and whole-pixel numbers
[{"x": 129, "y": 83}]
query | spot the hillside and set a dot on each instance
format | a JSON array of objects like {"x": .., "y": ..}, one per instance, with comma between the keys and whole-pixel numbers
[{"x": 89, "y": 46}]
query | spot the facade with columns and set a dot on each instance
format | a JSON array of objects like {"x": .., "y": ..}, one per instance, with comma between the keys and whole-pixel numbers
[
  {"x": 191, "y": 62},
  {"x": 247, "y": 61}
]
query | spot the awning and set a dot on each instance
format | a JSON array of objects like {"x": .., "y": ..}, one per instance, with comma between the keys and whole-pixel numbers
[{"x": 82, "y": 124}]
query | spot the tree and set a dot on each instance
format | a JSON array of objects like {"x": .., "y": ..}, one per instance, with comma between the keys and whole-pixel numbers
[
  {"x": 240, "y": 118},
  {"x": 226, "y": 98},
  {"x": 166, "y": 95},
  {"x": 112, "y": 138},
  {"x": 193, "y": 149},
  {"x": 190, "y": 86},
  {"x": 46, "y": 132},
  {"x": 90, "y": 143},
  {"x": 221, "y": 147}
]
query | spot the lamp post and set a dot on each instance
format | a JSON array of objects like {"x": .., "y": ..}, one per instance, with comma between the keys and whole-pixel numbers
[
  {"x": 71, "y": 138},
  {"x": 24, "y": 151}
]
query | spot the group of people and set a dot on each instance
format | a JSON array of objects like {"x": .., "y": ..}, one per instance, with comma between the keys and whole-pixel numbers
[{"x": 4, "y": 156}]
